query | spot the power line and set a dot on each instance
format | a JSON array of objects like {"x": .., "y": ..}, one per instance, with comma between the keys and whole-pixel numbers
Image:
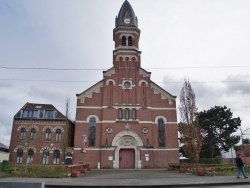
[
  {"x": 78, "y": 81},
  {"x": 47, "y": 68},
  {"x": 93, "y": 69}
]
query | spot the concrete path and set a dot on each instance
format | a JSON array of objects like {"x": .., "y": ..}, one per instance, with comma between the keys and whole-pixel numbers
[{"x": 136, "y": 178}]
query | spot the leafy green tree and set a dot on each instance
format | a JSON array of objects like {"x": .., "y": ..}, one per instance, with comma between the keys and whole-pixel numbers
[
  {"x": 189, "y": 129},
  {"x": 218, "y": 125}
]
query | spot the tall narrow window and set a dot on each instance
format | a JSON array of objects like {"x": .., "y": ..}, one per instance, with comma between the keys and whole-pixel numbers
[
  {"x": 30, "y": 156},
  {"x": 56, "y": 157},
  {"x": 22, "y": 134},
  {"x": 127, "y": 114},
  {"x": 143, "y": 86},
  {"x": 120, "y": 114},
  {"x": 134, "y": 114},
  {"x": 161, "y": 132},
  {"x": 133, "y": 63},
  {"x": 19, "y": 157},
  {"x": 130, "y": 41},
  {"x": 46, "y": 156},
  {"x": 123, "y": 41},
  {"x": 32, "y": 133},
  {"x": 92, "y": 131},
  {"x": 48, "y": 134},
  {"x": 58, "y": 135},
  {"x": 110, "y": 93}
]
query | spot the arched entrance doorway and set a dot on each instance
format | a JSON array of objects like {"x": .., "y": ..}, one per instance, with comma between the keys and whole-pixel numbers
[{"x": 127, "y": 150}]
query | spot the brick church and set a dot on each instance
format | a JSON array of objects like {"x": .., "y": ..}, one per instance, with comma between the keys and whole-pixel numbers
[{"x": 126, "y": 120}]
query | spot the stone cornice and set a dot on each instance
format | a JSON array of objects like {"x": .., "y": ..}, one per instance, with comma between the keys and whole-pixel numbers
[
  {"x": 88, "y": 93},
  {"x": 164, "y": 94}
]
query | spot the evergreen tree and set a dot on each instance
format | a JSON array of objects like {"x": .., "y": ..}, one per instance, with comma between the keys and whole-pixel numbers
[{"x": 218, "y": 125}]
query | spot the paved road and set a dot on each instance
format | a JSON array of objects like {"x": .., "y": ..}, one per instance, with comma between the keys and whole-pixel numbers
[{"x": 137, "y": 178}]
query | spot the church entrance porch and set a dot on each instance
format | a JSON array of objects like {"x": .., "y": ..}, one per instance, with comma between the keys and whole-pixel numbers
[
  {"x": 127, "y": 159},
  {"x": 127, "y": 146}
]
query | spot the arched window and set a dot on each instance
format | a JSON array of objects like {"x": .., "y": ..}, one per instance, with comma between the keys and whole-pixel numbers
[
  {"x": 68, "y": 154},
  {"x": 48, "y": 134},
  {"x": 32, "y": 133},
  {"x": 68, "y": 158},
  {"x": 30, "y": 156},
  {"x": 161, "y": 132},
  {"x": 46, "y": 156},
  {"x": 143, "y": 87},
  {"x": 123, "y": 41},
  {"x": 58, "y": 135},
  {"x": 133, "y": 63},
  {"x": 19, "y": 157},
  {"x": 56, "y": 157},
  {"x": 130, "y": 41},
  {"x": 110, "y": 93},
  {"x": 22, "y": 134},
  {"x": 92, "y": 130}
]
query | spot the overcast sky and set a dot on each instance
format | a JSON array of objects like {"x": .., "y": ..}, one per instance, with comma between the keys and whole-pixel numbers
[{"x": 206, "y": 41}]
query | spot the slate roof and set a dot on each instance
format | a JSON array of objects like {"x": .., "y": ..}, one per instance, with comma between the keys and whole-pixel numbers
[
  {"x": 126, "y": 8},
  {"x": 37, "y": 106}
]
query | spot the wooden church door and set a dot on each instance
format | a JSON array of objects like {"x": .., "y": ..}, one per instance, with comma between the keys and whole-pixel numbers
[{"x": 127, "y": 159}]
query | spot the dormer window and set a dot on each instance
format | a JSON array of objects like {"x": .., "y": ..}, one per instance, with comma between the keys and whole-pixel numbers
[
  {"x": 49, "y": 114},
  {"x": 130, "y": 41},
  {"x": 124, "y": 41},
  {"x": 30, "y": 113}
]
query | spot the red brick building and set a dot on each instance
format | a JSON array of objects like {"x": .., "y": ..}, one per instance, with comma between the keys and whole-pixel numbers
[
  {"x": 41, "y": 135},
  {"x": 126, "y": 120}
]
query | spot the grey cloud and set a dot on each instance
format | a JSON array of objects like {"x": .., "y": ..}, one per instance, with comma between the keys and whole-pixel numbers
[
  {"x": 239, "y": 84},
  {"x": 5, "y": 85}
]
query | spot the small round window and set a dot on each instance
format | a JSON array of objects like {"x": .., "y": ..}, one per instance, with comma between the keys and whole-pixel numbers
[{"x": 127, "y": 85}]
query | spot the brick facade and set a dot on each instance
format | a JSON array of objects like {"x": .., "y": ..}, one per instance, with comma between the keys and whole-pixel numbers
[
  {"x": 24, "y": 141},
  {"x": 126, "y": 110}
]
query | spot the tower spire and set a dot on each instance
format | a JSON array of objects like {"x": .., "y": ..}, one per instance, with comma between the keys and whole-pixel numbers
[{"x": 126, "y": 16}]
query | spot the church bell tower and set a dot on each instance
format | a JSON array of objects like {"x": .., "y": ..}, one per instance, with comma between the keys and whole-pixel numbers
[{"x": 126, "y": 36}]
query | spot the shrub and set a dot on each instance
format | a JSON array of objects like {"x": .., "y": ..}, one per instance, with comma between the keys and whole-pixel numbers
[
  {"x": 211, "y": 160},
  {"x": 41, "y": 171}
]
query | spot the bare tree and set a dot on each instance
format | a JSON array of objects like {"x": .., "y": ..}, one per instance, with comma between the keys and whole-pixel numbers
[
  {"x": 67, "y": 137},
  {"x": 189, "y": 129}
]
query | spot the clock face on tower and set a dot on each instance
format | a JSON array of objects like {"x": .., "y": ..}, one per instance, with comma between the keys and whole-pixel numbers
[{"x": 127, "y": 20}]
